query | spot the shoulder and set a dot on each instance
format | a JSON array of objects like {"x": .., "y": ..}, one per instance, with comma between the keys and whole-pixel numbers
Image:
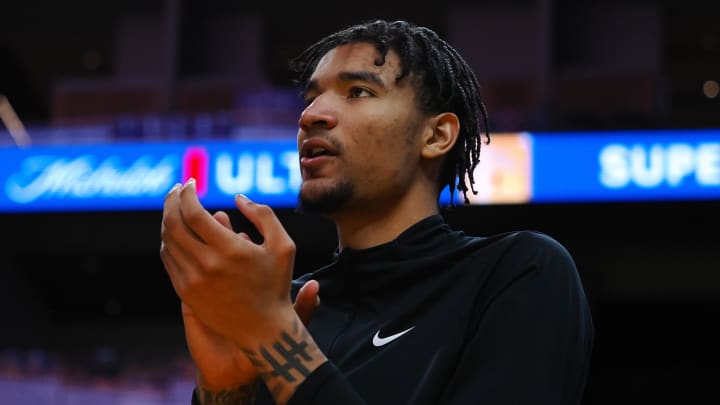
[
  {"x": 539, "y": 247},
  {"x": 526, "y": 255},
  {"x": 535, "y": 270},
  {"x": 525, "y": 246}
]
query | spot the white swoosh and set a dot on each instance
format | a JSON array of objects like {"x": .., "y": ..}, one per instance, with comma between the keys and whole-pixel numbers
[{"x": 378, "y": 341}]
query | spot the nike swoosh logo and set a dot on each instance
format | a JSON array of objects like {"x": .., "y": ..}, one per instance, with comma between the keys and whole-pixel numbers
[{"x": 378, "y": 341}]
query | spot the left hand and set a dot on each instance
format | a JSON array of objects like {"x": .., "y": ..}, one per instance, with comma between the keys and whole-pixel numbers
[{"x": 238, "y": 288}]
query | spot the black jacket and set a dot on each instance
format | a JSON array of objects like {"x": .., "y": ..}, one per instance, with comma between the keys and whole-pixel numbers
[{"x": 478, "y": 320}]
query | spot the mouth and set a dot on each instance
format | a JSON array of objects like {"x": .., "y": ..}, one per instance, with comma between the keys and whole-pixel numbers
[
  {"x": 315, "y": 152},
  {"x": 314, "y": 147}
]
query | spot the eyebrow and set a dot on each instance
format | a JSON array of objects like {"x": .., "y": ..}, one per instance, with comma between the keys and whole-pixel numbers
[{"x": 361, "y": 75}]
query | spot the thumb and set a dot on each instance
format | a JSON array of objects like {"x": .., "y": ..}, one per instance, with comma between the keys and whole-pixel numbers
[
  {"x": 307, "y": 301},
  {"x": 192, "y": 324}
]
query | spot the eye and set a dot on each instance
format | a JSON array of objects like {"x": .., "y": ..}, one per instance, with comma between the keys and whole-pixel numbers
[
  {"x": 357, "y": 92},
  {"x": 309, "y": 100}
]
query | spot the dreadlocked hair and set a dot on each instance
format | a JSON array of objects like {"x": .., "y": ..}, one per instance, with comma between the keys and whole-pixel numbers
[{"x": 442, "y": 79}]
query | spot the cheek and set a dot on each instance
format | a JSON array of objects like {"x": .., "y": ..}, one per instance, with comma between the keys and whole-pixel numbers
[
  {"x": 383, "y": 149},
  {"x": 380, "y": 146},
  {"x": 385, "y": 162}
]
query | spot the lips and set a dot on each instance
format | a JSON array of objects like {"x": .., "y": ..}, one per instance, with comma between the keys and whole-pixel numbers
[{"x": 315, "y": 151}]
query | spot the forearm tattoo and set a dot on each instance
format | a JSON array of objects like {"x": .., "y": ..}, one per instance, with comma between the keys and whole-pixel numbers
[
  {"x": 244, "y": 395},
  {"x": 284, "y": 360}
]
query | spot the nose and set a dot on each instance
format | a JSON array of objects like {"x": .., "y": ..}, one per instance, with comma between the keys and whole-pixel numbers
[{"x": 318, "y": 115}]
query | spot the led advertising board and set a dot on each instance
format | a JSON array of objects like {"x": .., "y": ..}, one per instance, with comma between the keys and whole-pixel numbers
[
  {"x": 137, "y": 176},
  {"x": 626, "y": 166},
  {"x": 514, "y": 168}
]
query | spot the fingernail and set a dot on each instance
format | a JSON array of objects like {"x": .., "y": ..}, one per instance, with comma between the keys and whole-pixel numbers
[
  {"x": 175, "y": 187},
  {"x": 243, "y": 198},
  {"x": 190, "y": 182}
]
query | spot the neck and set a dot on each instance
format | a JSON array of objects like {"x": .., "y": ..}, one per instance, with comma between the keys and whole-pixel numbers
[{"x": 372, "y": 226}]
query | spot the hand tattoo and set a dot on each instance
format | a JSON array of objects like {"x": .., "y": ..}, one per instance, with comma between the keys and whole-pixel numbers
[{"x": 285, "y": 360}]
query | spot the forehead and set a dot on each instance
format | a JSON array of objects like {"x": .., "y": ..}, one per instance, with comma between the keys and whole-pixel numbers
[{"x": 359, "y": 56}]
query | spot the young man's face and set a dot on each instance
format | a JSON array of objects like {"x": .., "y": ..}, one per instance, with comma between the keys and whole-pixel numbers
[{"x": 359, "y": 136}]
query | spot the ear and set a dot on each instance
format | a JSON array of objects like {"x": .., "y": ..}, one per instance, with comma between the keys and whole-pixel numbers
[{"x": 441, "y": 136}]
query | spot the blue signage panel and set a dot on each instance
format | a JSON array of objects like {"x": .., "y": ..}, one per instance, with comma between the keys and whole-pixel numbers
[
  {"x": 137, "y": 176},
  {"x": 562, "y": 167},
  {"x": 626, "y": 165}
]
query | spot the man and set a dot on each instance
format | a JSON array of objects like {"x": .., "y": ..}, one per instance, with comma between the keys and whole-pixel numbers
[{"x": 410, "y": 311}]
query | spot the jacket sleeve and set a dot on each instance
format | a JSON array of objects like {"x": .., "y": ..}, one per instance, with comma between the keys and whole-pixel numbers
[
  {"x": 533, "y": 337},
  {"x": 326, "y": 385}
]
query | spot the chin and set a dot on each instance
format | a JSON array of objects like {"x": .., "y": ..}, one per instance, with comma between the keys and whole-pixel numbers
[{"x": 327, "y": 201}]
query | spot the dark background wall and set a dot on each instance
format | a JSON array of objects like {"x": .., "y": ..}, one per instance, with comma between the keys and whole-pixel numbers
[
  {"x": 76, "y": 281},
  {"x": 558, "y": 64}
]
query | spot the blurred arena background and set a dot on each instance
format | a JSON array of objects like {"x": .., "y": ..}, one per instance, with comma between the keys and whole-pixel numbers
[{"x": 89, "y": 316}]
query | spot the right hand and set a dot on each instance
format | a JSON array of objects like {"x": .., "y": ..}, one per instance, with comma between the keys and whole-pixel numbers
[{"x": 221, "y": 364}]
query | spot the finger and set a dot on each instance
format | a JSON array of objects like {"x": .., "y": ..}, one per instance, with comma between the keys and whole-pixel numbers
[
  {"x": 199, "y": 220},
  {"x": 173, "y": 224},
  {"x": 170, "y": 213},
  {"x": 172, "y": 269},
  {"x": 307, "y": 301},
  {"x": 223, "y": 218},
  {"x": 266, "y": 222},
  {"x": 178, "y": 241}
]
